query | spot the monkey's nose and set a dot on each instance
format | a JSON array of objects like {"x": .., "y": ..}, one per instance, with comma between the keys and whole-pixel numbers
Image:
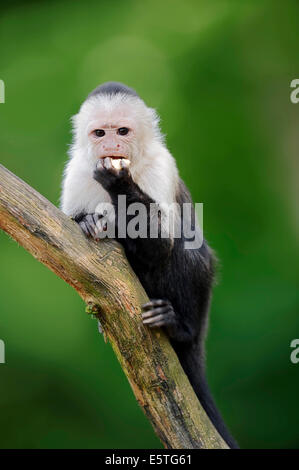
[{"x": 110, "y": 148}]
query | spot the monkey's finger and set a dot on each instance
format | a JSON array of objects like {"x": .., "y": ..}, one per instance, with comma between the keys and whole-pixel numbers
[
  {"x": 89, "y": 221},
  {"x": 154, "y": 303},
  {"x": 97, "y": 227},
  {"x": 164, "y": 320},
  {"x": 108, "y": 163},
  {"x": 154, "y": 313},
  {"x": 154, "y": 319},
  {"x": 84, "y": 228},
  {"x": 96, "y": 217},
  {"x": 157, "y": 325},
  {"x": 100, "y": 164},
  {"x": 89, "y": 228}
]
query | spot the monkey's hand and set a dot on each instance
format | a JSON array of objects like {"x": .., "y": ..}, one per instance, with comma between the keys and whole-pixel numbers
[
  {"x": 157, "y": 313},
  {"x": 111, "y": 178},
  {"x": 92, "y": 225}
]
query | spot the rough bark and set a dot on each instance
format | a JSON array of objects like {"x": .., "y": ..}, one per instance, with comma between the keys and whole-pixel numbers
[{"x": 103, "y": 278}]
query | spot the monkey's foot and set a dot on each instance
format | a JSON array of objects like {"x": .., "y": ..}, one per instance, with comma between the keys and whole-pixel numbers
[
  {"x": 157, "y": 313},
  {"x": 92, "y": 225}
]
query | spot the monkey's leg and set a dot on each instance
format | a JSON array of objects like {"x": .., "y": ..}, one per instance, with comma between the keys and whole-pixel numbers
[{"x": 160, "y": 313}]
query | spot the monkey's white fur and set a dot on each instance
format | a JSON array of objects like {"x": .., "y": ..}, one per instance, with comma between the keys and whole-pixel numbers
[{"x": 152, "y": 166}]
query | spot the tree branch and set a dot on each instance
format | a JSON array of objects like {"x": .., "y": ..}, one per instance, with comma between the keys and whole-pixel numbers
[{"x": 103, "y": 278}]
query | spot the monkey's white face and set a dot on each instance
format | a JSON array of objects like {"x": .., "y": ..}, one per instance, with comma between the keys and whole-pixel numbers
[
  {"x": 112, "y": 135},
  {"x": 117, "y": 127}
]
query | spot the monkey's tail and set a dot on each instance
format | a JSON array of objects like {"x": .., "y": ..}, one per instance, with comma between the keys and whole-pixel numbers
[{"x": 203, "y": 393}]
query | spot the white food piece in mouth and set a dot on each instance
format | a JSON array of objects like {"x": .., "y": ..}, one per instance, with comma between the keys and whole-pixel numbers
[{"x": 118, "y": 163}]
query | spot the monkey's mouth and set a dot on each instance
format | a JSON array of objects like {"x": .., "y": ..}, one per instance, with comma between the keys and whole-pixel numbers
[
  {"x": 118, "y": 162},
  {"x": 115, "y": 157}
]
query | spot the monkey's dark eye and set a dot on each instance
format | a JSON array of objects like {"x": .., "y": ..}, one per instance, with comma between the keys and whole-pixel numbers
[
  {"x": 123, "y": 131},
  {"x": 99, "y": 132}
]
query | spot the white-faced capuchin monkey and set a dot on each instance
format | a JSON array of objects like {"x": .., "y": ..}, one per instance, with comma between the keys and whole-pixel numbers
[{"x": 118, "y": 149}]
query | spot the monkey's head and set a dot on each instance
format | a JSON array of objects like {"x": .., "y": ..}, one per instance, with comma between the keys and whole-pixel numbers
[{"x": 115, "y": 122}]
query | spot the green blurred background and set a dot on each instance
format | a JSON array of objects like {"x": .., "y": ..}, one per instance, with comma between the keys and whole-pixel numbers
[{"x": 219, "y": 74}]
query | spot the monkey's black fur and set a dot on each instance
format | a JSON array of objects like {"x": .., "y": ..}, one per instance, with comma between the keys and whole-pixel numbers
[
  {"x": 112, "y": 88},
  {"x": 181, "y": 277}
]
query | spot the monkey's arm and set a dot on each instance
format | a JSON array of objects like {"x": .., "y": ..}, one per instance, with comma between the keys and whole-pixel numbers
[{"x": 120, "y": 182}]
